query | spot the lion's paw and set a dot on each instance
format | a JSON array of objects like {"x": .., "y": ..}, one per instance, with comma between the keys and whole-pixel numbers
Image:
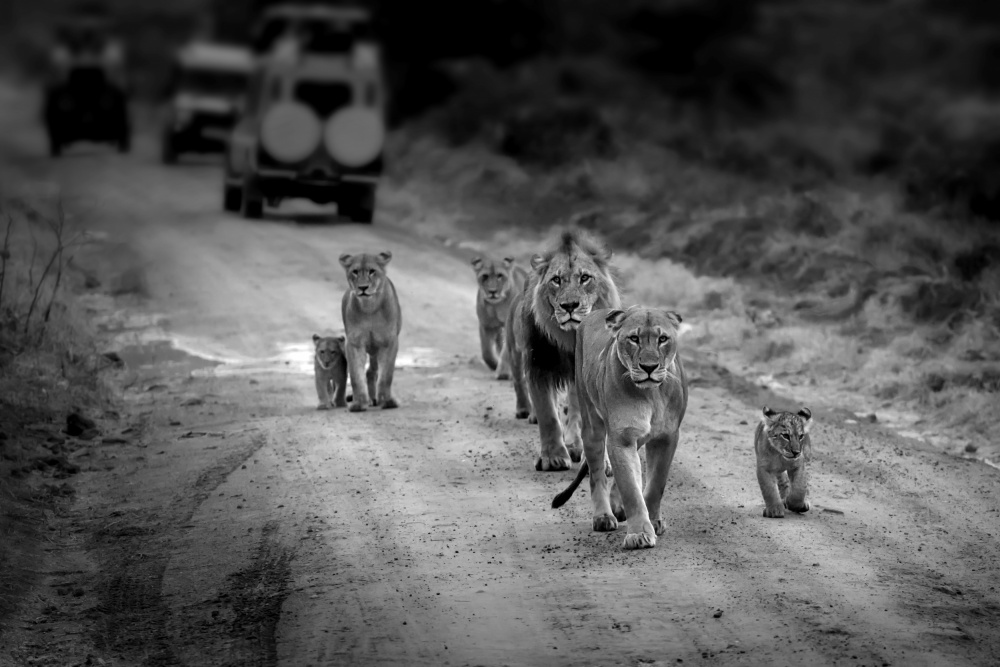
[
  {"x": 552, "y": 463},
  {"x": 605, "y": 523},
  {"x": 340, "y": 404},
  {"x": 389, "y": 404},
  {"x": 659, "y": 526},
  {"x": 323, "y": 406},
  {"x": 532, "y": 419},
  {"x": 774, "y": 512},
  {"x": 358, "y": 406},
  {"x": 799, "y": 508},
  {"x": 639, "y": 541},
  {"x": 521, "y": 414},
  {"x": 503, "y": 376},
  {"x": 618, "y": 510}
]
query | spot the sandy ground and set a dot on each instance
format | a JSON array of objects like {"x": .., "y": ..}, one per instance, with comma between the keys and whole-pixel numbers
[{"x": 225, "y": 521}]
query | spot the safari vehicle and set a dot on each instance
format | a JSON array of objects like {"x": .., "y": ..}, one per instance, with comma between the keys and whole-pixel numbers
[
  {"x": 317, "y": 27},
  {"x": 85, "y": 97},
  {"x": 205, "y": 88},
  {"x": 313, "y": 127}
]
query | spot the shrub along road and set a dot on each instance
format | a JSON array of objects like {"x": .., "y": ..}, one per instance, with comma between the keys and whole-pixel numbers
[{"x": 225, "y": 521}]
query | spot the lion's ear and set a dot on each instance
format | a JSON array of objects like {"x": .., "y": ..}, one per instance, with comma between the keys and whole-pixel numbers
[
  {"x": 341, "y": 337},
  {"x": 767, "y": 415},
  {"x": 384, "y": 257},
  {"x": 539, "y": 264},
  {"x": 345, "y": 260},
  {"x": 508, "y": 262},
  {"x": 477, "y": 263},
  {"x": 807, "y": 417},
  {"x": 677, "y": 316},
  {"x": 614, "y": 319},
  {"x": 316, "y": 339}
]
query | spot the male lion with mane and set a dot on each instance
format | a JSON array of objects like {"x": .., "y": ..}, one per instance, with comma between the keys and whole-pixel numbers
[
  {"x": 632, "y": 393},
  {"x": 567, "y": 282}
]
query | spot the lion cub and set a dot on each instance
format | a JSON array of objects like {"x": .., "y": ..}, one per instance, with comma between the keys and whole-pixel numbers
[
  {"x": 783, "y": 449},
  {"x": 330, "y": 364},
  {"x": 372, "y": 320},
  {"x": 499, "y": 283}
]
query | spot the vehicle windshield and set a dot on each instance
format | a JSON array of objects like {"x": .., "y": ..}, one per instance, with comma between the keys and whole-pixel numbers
[{"x": 215, "y": 82}]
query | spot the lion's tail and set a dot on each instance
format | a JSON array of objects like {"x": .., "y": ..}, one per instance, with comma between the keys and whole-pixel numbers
[{"x": 561, "y": 499}]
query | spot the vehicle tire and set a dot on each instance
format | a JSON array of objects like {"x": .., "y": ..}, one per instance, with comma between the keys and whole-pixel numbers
[
  {"x": 253, "y": 200},
  {"x": 358, "y": 204},
  {"x": 168, "y": 149},
  {"x": 55, "y": 145},
  {"x": 232, "y": 198},
  {"x": 124, "y": 142}
]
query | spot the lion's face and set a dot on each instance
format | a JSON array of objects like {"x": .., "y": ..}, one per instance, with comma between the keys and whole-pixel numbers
[
  {"x": 646, "y": 343},
  {"x": 786, "y": 432},
  {"x": 328, "y": 348},
  {"x": 570, "y": 283},
  {"x": 494, "y": 278},
  {"x": 366, "y": 273}
]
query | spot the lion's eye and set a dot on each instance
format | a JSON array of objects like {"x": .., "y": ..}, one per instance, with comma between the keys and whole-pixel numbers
[
  {"x": 634, "y": 338},
  {"x": 354, "y": 272},
  {"x": 784, "y": 436},
  {"x": 556, "y": 280},
  {"x": 500, "y": 278},
  {"x": 485, "y": 278},
  {"x": 584, "y": 278},
  {"x": 664, "y": 339},
  {"x": 371, "y": 272}
]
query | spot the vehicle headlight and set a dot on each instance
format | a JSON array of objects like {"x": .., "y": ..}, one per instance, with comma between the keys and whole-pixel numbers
[
  {"x": 354, "y": 136},
  {"x": 290, "y": 132}
]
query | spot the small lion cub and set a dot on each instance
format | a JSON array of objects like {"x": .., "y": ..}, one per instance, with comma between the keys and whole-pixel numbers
[
  {"x": 331, "y": 371},
  {"x": 783, "y": 449}
]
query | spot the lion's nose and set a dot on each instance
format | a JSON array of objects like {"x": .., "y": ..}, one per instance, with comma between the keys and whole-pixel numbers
[
  {"x": 649, "y": 368},
  {"x": 570, "y": 307}
]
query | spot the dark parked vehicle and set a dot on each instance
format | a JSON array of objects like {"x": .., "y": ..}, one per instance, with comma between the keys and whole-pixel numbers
[{"x": 85, "y": 99}]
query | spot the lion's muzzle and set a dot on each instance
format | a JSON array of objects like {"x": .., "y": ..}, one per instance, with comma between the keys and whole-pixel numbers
[{"x": 569, "y": 315}]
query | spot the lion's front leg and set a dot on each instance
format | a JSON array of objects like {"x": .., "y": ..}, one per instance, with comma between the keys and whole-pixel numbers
[
  {"x": 487, "y": 347},
  {"x": 356, "y": 355},
  {"x": 627, "y": 469},
  {"x": 322, "y": 392},
  {"x": 340, "y": 384},
  {"x": 573, "y": 429},
  {"x": 600, "y": 471},
  {"x": 503, "y": 370},
  {"x": 371, "y": 379},
  {"x": 773, "y": 507},
  {"x": 796, "y": 499},
  {"x": 522, "y": 406},
  {"x": 387, "y": 366},
  {"x": 553, "y": 454},
  {"x": 659, "y": 456}
]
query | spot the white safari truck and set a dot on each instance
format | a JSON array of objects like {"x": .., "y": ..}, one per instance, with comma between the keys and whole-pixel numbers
[{"x": 313, "y": 127}]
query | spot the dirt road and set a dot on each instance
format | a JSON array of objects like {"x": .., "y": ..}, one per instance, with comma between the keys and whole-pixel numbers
[{"x": 228, "y": 522}]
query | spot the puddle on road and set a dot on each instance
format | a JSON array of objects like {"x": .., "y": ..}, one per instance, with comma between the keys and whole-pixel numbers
[
  {"x": 163, "y": 353},
  {"x": 294, "y": 359}
]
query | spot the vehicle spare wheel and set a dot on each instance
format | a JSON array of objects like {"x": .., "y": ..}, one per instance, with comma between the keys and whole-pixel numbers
[
  {"x": 290, "y": 132},
  {"x": 354, "y": 136}
]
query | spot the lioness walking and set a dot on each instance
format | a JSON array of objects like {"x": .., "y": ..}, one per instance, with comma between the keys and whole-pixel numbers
[{"x": 372, "y": 321}]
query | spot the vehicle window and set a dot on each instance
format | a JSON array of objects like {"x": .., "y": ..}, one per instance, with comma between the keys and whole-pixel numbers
[
  {"x": 323, "y": 97},
  {"x": 269, "y": 33},
  {"x": 325, "y": 36},
  {"x": 208, "y": 81}
]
